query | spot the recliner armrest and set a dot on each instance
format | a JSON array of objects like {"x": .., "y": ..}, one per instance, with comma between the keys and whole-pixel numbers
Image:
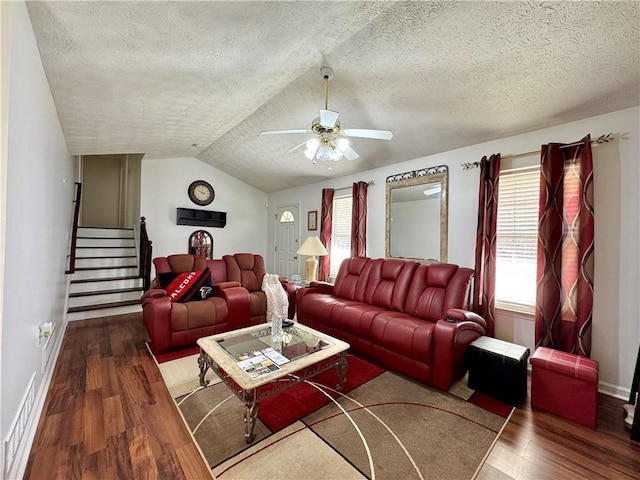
[
  {"x": 465, "y": 315},
  {"x": 451, "y": 337},
  {"x": 226, "y": 284},
  {"x": 153, "y": 293}
]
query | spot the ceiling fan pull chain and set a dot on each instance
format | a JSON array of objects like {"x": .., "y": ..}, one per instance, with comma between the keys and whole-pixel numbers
[{"x": 326, "y": 92}]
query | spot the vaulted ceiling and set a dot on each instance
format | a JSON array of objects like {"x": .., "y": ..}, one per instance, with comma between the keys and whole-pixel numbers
[{"x": 203, "y": 79}]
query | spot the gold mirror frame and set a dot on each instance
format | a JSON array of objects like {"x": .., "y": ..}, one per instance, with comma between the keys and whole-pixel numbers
[{"x": 425, "y": 176}]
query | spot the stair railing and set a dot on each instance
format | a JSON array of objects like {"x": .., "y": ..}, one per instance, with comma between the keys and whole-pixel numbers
[
  {"x": 145, "y": 255},
  {"x": 74, "y": 229}
]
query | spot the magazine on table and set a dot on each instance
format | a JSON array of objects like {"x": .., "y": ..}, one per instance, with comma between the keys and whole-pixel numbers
[{"x": 261, "y": 362}]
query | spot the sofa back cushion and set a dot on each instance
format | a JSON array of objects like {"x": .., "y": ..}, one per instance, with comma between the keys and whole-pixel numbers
[
  {"x": 179, "y": 263},
  {"x": 246, "y": 268},
  {"x": 388, "y": 283},
  {"x": 218, "y": 269},
  {"x": 436, "y": 288},
  {"x": 352, "y": 278}
]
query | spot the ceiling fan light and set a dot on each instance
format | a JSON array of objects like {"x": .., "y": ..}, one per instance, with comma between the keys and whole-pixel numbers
[
  {"x": 336, "y": 155},
  {"x": 313, "y": 144},
  {"x": 324, "y": 153},
  {"x": 309, "y": 153},
  {"x": 343, "y": 144}
]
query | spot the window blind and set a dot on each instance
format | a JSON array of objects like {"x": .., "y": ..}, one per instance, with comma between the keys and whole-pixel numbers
[
  {"x": 517, "y": 239},
  {"x": 341, "y": 236}
]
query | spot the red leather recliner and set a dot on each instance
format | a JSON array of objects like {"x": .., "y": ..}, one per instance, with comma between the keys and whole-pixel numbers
[
  {"x": 409, "y": 317},
  {"x": 234, "y": 303}
]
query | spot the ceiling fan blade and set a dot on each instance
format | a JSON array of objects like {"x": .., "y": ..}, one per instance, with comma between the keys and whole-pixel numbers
[
  {"x": 276, "y": 132},
  {"x": 328, "y": 118},
  {"x": 350, "y": 154},
  {"x": 366, "y": 133},
  {"x": 296, "y": 147}
]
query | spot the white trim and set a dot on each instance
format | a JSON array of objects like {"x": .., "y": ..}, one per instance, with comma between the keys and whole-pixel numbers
[
  {"x": 22, "y": 455},
  {"x": 615, "y": 391}
]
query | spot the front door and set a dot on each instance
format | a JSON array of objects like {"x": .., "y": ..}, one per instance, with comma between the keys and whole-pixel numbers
[{"x": 287, "y": 233}]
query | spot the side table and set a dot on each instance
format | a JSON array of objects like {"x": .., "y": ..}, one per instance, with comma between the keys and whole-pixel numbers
[{"x": 498, "y": 368}]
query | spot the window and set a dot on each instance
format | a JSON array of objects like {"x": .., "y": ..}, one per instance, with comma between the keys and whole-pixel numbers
[
  {"x": 517, "y": 239},
  {"x": 287, "y": 217},
  {"x": 341, "y": 236}
]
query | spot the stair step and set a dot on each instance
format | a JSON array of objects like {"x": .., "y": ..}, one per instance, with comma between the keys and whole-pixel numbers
[
  {"x": 105, "y": 284},
  {"x": 98, "y": 232},
  {"x": 104, "y": 292},
  {"x": 85, "y": 252},
  {"x": 105, "y": 242},
  {"x": 86, "y": 299},
  {"x": 109, "y": 273},
  {"x": 99, "y": 306},
  {"x": 105, "y": 262},
  {"x": 104, "y": 312},
  {"x": 88, "y": 280}
]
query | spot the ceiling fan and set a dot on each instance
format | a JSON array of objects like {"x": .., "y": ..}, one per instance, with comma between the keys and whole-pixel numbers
[{"x": 330, "y": 142}]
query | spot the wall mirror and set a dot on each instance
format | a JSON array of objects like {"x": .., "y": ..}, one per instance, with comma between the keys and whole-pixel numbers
[
  {"x": 201, "y": 243},
  {"x": 417, "y": 216}
]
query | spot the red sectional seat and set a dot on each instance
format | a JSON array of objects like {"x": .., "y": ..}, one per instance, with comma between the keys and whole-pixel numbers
[
  {"x": 394, "y": 311},
  {"x": 237, "y": 300}
]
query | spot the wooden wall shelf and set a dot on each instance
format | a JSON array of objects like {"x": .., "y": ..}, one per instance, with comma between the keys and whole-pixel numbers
[{"x": 201, "y": 218}]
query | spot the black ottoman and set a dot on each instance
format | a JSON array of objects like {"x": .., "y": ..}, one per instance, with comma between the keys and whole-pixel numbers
[{"x": 499, "y": 369}]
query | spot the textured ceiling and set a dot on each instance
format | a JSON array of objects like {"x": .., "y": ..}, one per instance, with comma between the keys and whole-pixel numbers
[{"x": 158, "y": 77}]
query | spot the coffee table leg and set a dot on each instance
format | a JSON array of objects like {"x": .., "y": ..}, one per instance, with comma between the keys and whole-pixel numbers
[
  {"x": 341, "y": 368},
  {"x": 250, "y": 414},
  {"x": 203, "y": 369}
]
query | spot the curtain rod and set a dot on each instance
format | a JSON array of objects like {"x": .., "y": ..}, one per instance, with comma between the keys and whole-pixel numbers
[
  {"x": 609, "y": 137},
  {"x": 369, "y": 183}
]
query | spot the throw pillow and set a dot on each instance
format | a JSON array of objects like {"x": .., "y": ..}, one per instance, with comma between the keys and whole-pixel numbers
[
  {"x": 187, "y": 285},
  {"x": 166, "y": 278}
]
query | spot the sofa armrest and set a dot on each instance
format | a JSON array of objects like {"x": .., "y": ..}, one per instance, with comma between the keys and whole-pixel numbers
[
  {"x": 238, "y": 304},
  {"x": 156, "y": 315},
  {"x": 451, "y": 337},
  {"x": 153, "y": 293},
  {"x": 465, "y": 315},
  {"x": 222, "y": 285}
]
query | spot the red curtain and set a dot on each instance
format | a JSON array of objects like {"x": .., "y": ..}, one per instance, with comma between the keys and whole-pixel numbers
[
  {"x": 326, "y": 220},
  {"x": 564, "y": 301},
  {"x": 484, "y": 285},
  {"x": 359, "y": 220}
]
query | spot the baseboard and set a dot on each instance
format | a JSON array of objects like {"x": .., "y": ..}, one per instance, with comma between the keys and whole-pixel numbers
[
  {"x": 615, "y": 391},
  {"x": 22, "y": 455}
]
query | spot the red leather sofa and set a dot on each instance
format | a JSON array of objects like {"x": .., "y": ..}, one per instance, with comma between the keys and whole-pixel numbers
[
  {"x": 237, "y": 300},
  {"x": 409, "y": 317}
]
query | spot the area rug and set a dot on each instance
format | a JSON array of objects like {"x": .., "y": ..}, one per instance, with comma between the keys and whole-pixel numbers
[{"x": 387, "y": 426}]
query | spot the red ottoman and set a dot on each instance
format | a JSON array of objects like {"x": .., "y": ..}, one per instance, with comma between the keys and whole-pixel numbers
[{"x": 565, "y": 384}]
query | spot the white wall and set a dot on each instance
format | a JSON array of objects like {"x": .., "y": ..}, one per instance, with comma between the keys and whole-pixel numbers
[
  {"x": 616, "y": 329},
  {"x": 40, "y": 187},
  {"x": 164, "y": 188}
]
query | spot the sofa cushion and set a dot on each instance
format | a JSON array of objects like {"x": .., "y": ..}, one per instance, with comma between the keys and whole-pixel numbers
[
  {"x": 435, "y": 289},
  {"x": 388, "y": 283},
  {"x": 351, "y": 281},
  {"x": 246, "y": 268},
  {"x": 403, "y": 334},
  {"x": 191, "y": 315}
]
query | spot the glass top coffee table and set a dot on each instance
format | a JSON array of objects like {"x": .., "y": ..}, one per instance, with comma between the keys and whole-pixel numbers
[{"x": 254, "y": 367}]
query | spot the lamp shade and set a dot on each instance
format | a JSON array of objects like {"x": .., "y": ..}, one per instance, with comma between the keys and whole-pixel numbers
[{"x": 312, "y": 246}]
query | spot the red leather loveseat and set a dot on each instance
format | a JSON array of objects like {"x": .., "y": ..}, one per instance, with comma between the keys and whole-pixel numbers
[
  {"x": 237, "y": 300},
  {"x": 410, "y": 317}
]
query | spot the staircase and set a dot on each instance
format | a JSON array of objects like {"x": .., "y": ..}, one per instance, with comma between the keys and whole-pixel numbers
[{"x": 106, "y": 279}]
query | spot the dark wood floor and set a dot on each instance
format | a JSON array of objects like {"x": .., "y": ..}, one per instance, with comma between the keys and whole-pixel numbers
[{"x": 108, "y": 415}]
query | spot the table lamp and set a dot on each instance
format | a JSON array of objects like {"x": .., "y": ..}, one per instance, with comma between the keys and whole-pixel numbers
[{"x": 311, "y": 247}]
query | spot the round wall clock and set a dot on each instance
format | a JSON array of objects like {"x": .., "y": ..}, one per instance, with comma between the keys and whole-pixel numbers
[{"x": 201, "y": 192}]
